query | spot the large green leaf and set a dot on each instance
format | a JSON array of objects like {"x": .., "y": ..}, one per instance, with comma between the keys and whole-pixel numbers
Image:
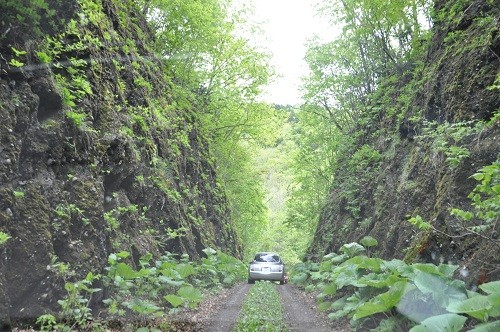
[
  {"x": 494, "y": 299},
  {"x": 190, "y": 293},
  {"x": 441, "y": 323},
  {"x": 382, "y": 302},
  {"x": 335, "y": 258},
  {"x": 428, "y": 268},
  {"x": 364, "y": 262},
  {"x": 394, "y": 265},
  {"x": 352, "y": 249},
  {"x": 447, "y": 270},
  {"x": 444, "y": 292},
  {"x": 125, "y": 271},
  {"x": 491, "y": 287},
  {"x": 487, "y": 327},
  {"x": 185, "y": 270},
  {"x": 174, "y": 300},
  {"x": 369, "y": 241},
  {"x": 477, "y": 307},
  {"x": 144, "y": 307},
  {"x": 380, "y": 280},
  {"x": 330, "y": 289}
]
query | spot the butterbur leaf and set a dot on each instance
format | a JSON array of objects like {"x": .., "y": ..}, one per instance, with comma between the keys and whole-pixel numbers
[
  {"x": 382, "y": 302},
  {"x": 351, "y": 249},
  {"x": 380, "y": 280},
  {"x": 494, "y": 299},
  {"x": 190, "y": 293},
  {"x": 491, "y": 287},
  {"x": 476, "y": 307},
  {"x": 335, "y": 258},
  {"x": 395, "y": 265},
  {"x": 125, "y": 271},
  {"x": 369, "y": 309},
  {"x": 363, "y": 262},
  {"x": 209, "y": 251},
  {"x": 441, "y": 323},
  {"x": 142, "y": 329},
  {"x": 428, "y": 283},
  {"x": 185, "y": 270},
  {"x": 487, "y": 327},
  {"x": 330, "y": 289},
  {"x": 144, "y": 307},
  {"x": 369, "y": 241},
  {"x": 447, "y": 270},
  {"x": 429, "y": 268},
  {"x": 123, "y": 254},
  {"x": 174, "y": 300}
]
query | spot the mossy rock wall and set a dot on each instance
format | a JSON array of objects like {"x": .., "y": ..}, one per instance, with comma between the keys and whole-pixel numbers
[
  {"x": 413, "y": 177},
  {"x": 97, "y": 153}
]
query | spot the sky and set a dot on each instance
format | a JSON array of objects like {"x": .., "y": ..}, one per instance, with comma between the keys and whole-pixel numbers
[{"x": 287, "y": 25}]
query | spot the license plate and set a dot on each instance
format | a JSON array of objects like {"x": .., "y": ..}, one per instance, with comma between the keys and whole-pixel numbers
[{"x": 266, "y": 269}]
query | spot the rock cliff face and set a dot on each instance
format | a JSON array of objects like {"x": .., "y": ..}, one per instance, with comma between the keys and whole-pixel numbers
[
  {"x": 96, "y": 155},
  {"x": 407, "y": 172}
]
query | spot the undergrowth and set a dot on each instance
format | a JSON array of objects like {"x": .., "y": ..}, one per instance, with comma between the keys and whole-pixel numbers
[
  {"x": 140, "y": 295},
  {"x": 392, "y": 295}
]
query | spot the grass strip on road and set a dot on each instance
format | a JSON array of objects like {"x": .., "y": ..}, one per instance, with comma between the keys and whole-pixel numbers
[{"x": 262, "y": 310}]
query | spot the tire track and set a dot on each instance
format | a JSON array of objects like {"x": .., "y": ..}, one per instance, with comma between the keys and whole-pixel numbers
[
  {"x": 301, "y": 315},
  {"x": 225, "y": 319}
]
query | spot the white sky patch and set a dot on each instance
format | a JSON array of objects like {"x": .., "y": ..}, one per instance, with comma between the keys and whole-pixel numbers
[{"x": 287, "y": 25}]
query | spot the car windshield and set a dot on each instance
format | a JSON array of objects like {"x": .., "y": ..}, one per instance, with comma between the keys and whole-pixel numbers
[{"x": 273, "y": 258}]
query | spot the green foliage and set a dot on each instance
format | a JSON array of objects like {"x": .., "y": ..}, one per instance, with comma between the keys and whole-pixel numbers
[
  {"x": 445, "y": 322},
  {"x": 359, "y": 287},
  {"x": 4, "y": 237},
  {"x": 24, "y": 15},
  {"x": 178, "y": 282},
  {"x": 485, "y": 197},
  {"x": 377, "y": 38},
  {"x": 217, "y": 72},
  {"x": 444, "y": 138},
  {"x": 368, "y": 241},
  {"x": 19, "y": 194},
  {"x": 262, "y": 310},
  {"x": 46, "y": 322},
  {"x": 418, "y": 222},
  {"x": 152, "y": 289},
  {"x": 75, "y": 306},
  {"x": 311, "y": 156}
]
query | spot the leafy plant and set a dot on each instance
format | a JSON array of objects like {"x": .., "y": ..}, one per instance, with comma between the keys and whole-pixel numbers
[
  {"x": 75, "y": 306},
  {"x": 485, "y": 199},
  {"x": 359, "y": 287},
  {"x": 4, "y": 237},
  {"x": 46, "y": 322},
  {"x": 19, "y": 194}
]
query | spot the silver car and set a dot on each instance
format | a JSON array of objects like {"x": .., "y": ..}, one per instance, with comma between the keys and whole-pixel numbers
[{"x": 266, "y": 266}]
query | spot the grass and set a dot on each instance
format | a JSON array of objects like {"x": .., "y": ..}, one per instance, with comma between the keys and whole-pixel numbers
[{"x": 261, "y": 310}]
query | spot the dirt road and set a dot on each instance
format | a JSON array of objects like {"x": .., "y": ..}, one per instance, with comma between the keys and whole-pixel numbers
[
  {"x": 299, "y": 311},
  {"x": 225, "y": 317}
]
